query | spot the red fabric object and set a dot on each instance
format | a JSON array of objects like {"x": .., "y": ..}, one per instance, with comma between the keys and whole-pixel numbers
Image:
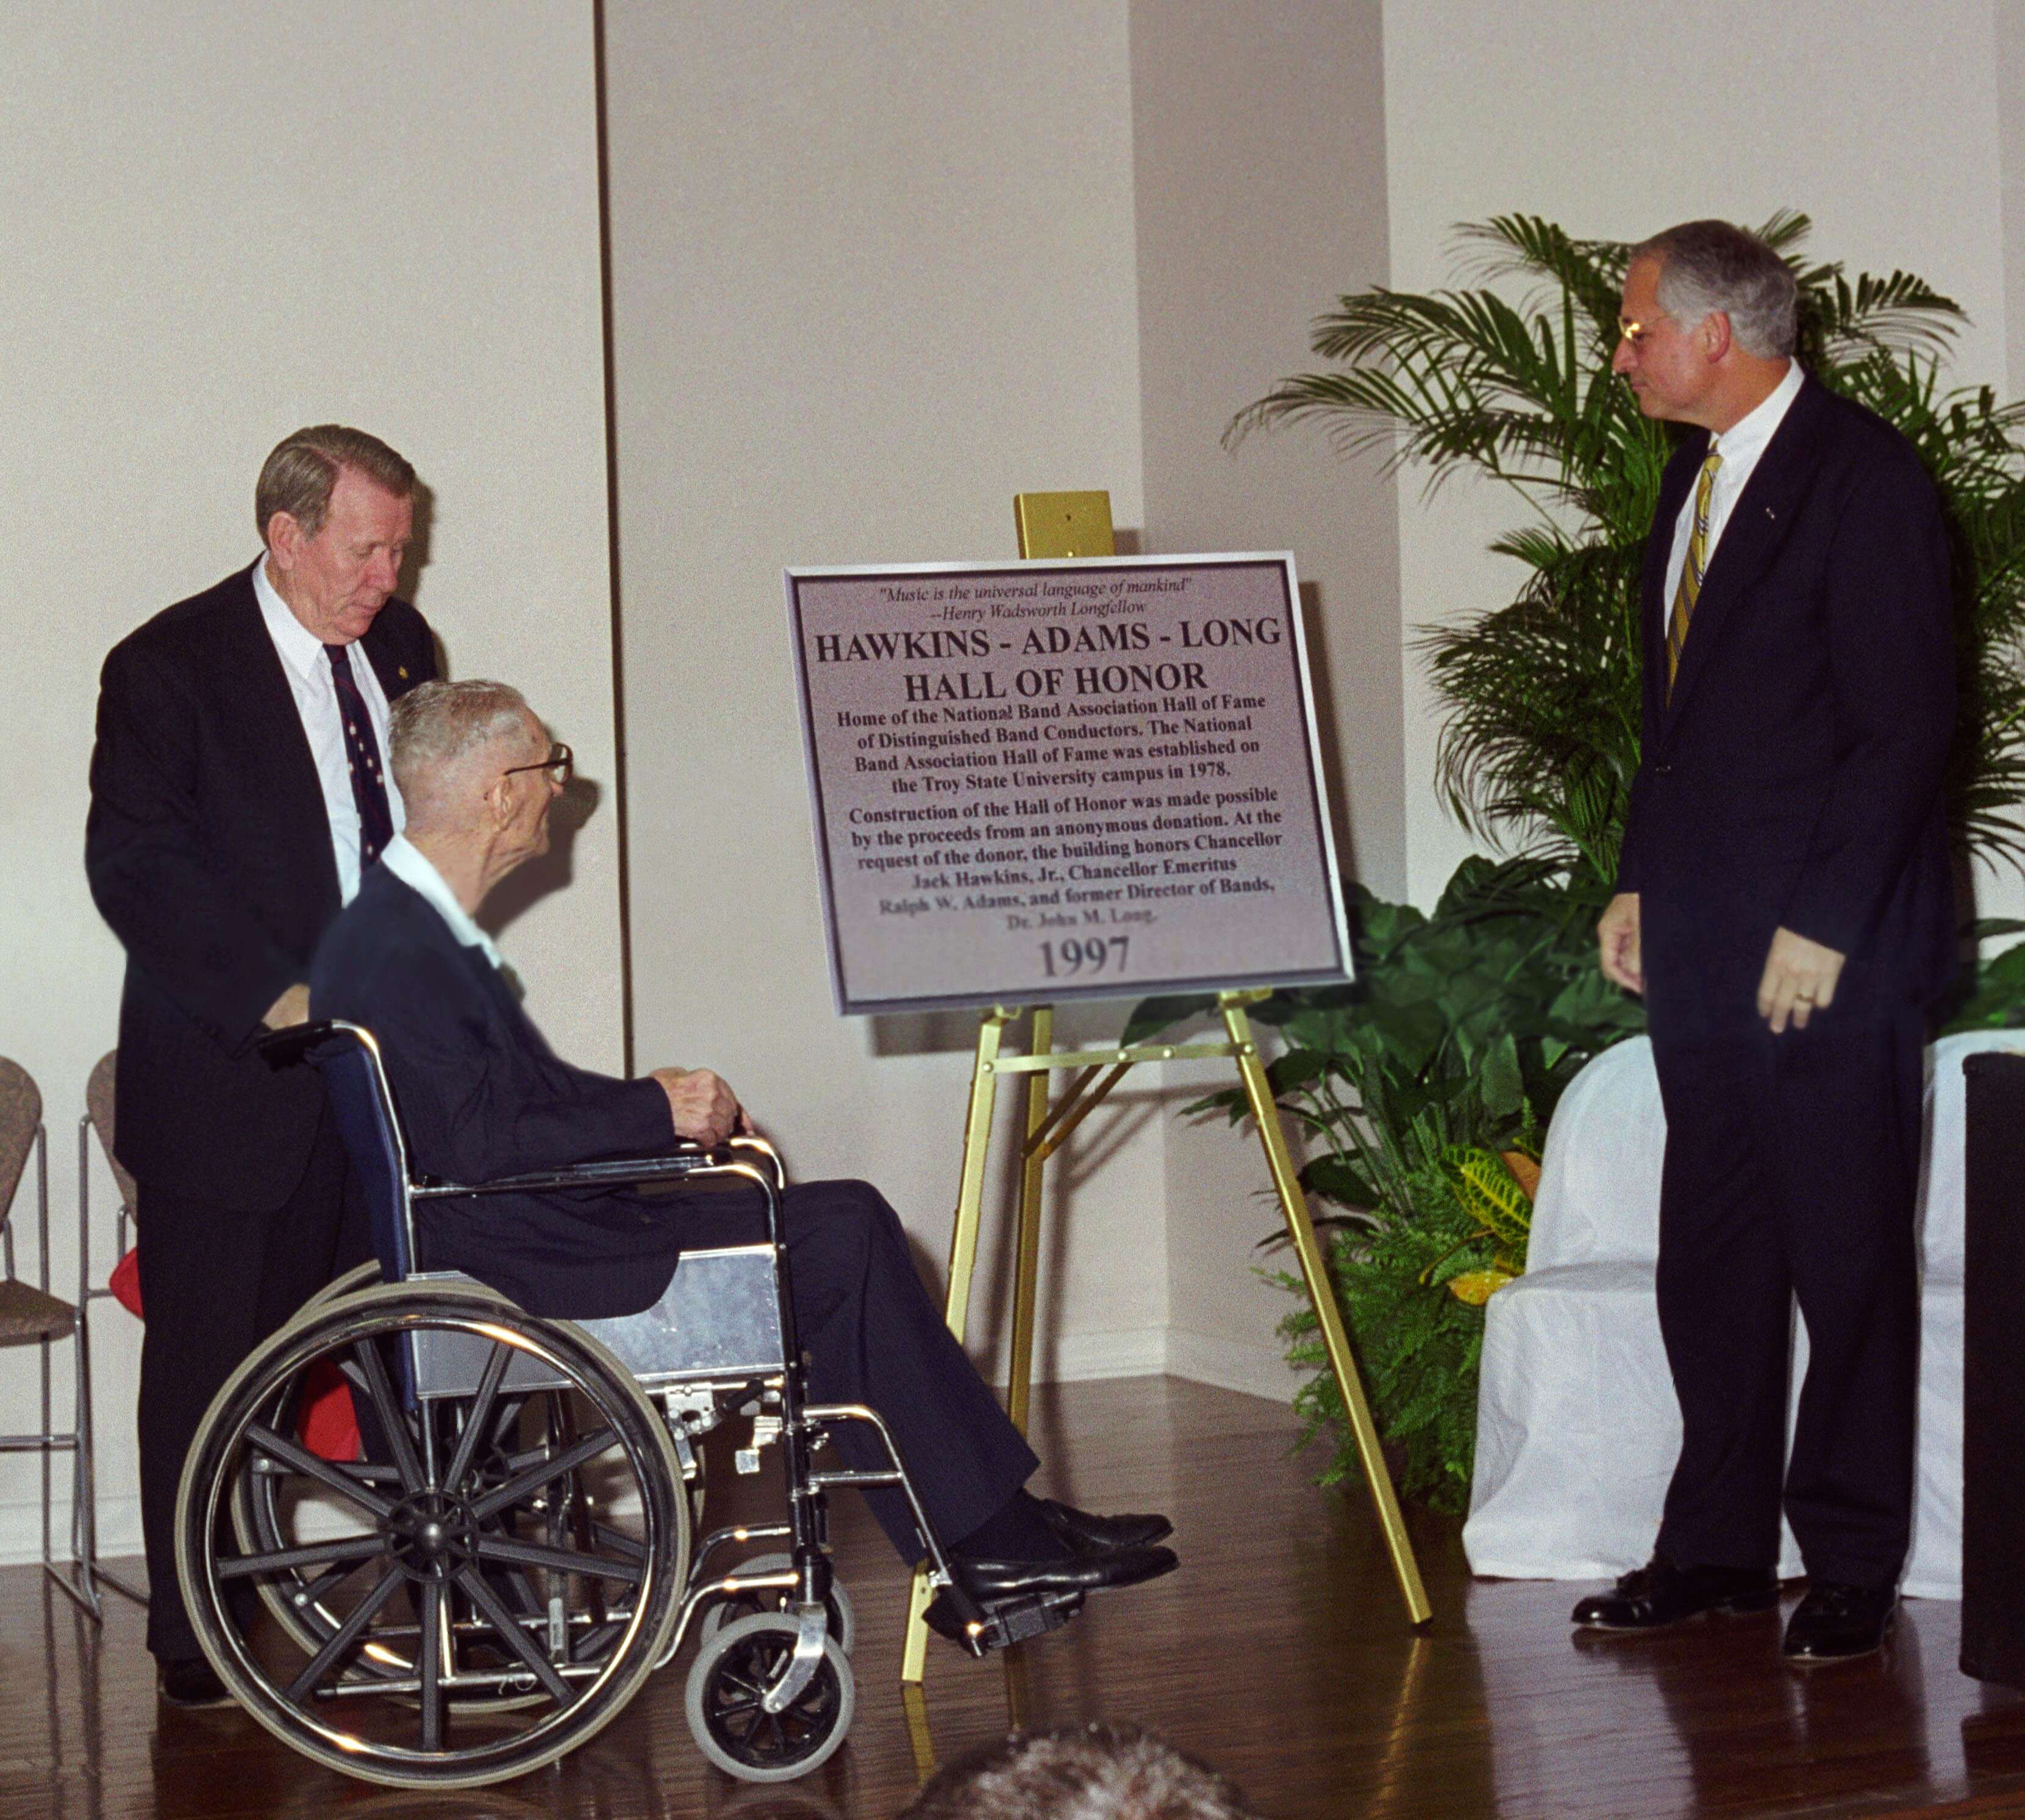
[
  {"x": 329, "y": 1424},
  {"x": 125, "y": 1283}
]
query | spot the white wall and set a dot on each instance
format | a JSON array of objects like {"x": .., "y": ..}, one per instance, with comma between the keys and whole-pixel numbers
[
  {"x": 1259, "y": 154},
  {"x": 223, "y": 222},
  {"x": 872, "y": 275},
  {"x": 1879, "y": 120}
]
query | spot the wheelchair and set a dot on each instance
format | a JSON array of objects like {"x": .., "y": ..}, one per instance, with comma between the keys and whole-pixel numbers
[{"x": 512, "y": 1551}]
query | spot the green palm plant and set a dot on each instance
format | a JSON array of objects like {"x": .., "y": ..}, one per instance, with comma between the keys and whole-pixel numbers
[{"x": 1541, "y": 736}]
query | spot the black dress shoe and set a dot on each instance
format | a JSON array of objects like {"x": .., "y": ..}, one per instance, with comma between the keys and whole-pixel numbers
[
  {"x": 1660, "y": 1594},
  {"x": 1836, "y": 1621},
  {"x": 1083, "y": 1531},
  {"x": 988, "y": 1580},
  {"x": 1021, "y": 1598},
  {"x": 190, "y": 1683}
]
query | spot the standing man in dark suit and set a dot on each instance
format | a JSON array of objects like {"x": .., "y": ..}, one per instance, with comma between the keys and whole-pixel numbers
[
  {"x": 238, "y": 793},
  {"x": 483, "y": 1096},
  {"x": 1784, "y": 903}
]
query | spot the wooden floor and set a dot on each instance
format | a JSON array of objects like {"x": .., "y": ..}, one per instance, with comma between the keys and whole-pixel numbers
[{"x": 1278, "y": 1653}]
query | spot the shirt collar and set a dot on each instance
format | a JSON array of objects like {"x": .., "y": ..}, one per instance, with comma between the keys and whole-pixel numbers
[
  {"x": 301, "y": 649},
  {"x": 408, "y": 864},
  {"x": 1747, "y": 437}
]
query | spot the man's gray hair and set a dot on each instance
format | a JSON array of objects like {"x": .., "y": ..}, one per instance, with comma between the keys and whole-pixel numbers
[
  {"x": 436, "y": 726},
  {"x": 1706, "y": 266},
  {"x": 301, "y": 472},
  {"x": 1090, "y": 1772}
]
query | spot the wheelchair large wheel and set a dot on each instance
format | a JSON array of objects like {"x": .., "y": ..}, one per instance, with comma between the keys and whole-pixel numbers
[
  {"x": 470, "y": 1604},
  {"x": 271, "y": 1515},
  {"x": 726, "y": 1699},
  {"x": 359, "y": 1277},
  {"x": 263, "y": 1524}
]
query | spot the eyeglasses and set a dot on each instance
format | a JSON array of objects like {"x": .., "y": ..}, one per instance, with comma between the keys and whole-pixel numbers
[
  {"x": 1634, "y": 333},
  {"x": 560, "y": 764}
]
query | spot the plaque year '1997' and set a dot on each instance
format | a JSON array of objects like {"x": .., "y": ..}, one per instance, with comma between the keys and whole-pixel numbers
[{"x": 1048, "y": 781}]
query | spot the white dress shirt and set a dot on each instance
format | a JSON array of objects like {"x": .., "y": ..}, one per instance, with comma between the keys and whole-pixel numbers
[
  {"x": 1739, "y": 446},
  {"x": 409, "y": 865},
  {"x": 308, "y": 671}
]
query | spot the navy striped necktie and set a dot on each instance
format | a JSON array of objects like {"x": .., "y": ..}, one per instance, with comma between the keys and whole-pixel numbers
[{"x": 362, "y": 759}]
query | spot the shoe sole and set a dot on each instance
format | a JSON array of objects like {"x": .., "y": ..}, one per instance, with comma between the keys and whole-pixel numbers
[
  {"x": 1741, "y": 1607},
  {"x": 210, "y": 1703},
  {"x": 1798, "y": 1659}
]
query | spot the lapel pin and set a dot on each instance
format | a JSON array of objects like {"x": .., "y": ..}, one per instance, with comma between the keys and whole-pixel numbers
[{"x": 403, "y": 671}]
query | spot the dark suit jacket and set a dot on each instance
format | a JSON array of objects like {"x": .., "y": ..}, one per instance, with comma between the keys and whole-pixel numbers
[
  {"x": 208, "y": 850},
  {"x": 1794, "y": 778},
  {"x": 482, "y": 1095}
]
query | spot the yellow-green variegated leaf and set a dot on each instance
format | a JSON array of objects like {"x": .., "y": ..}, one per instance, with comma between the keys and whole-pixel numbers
[
  {"x": 1490, "y": 1195},
  {"x": 1477, "y": 1287}
]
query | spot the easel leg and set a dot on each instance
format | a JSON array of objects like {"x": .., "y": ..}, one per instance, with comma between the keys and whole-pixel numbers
[
  {"x": 963, "y": 1266},
  {"x": 918, "y": 1735},
  {"x": 1335, "y": 1342},
  {"x": 1027, "y": 1244}
]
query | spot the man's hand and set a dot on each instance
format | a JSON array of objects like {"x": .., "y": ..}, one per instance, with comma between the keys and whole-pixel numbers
[
  {"x": 1617, "y": 943},
  {"x": 704, "y": 1109},
  {"x": 292, "y": 1007},
  {"x": 1799, "y": 979}
]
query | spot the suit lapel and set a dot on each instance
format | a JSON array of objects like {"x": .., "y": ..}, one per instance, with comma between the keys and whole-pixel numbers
[
  {"x": 396, "y": 677},
  {"x": 265, "y": 704},
  {"x": 1758, "y": 525}
]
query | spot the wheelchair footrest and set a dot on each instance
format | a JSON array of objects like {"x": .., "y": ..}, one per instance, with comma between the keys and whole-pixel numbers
[{"x": 1015, "y": 1620}]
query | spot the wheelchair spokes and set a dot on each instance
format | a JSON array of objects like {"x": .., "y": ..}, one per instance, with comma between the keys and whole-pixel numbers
[{"x": 484, "y": 1605}]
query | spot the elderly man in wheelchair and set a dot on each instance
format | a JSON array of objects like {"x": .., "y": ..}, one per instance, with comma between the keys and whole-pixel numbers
[{"x": 578, "y": 1277}]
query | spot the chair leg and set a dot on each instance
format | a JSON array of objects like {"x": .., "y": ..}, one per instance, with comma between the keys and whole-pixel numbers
[
  {"x": 84, "y": 1510},
  {"x": 74, "y": 1577},
  {"x": 49, "y": 1557},
  {"x": 85, "y": 1524}
]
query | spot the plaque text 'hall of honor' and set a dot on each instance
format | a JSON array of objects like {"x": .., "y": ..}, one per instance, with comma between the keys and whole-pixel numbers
[{"x": 1050, "y": 781}]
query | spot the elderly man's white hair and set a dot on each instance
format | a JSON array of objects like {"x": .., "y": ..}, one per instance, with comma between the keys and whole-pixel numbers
[
  {"x": 1090, "y": 1772},
  {"x": 438, "y": 728}
]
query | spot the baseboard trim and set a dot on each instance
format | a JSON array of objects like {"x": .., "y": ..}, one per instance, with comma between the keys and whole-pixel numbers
[
  {"x": 1078, "y": 1358},
  {"x": 1232, "y": 1365},
  {"x": 21, "y": 1529}
]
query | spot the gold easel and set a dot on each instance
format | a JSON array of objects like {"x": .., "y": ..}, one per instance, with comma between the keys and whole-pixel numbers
[{"x": 1064, "y": 524}]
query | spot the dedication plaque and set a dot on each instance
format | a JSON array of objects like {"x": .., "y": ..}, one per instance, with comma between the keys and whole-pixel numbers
[{"x": 1049, "y": 780}]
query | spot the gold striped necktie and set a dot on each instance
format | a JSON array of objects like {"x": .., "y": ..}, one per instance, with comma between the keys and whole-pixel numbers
[{"x": 1692, "y": 570}]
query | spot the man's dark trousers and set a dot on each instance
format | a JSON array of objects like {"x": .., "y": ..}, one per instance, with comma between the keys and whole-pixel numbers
[
  {"x": 871, "y": 1334},
  {"x": 1790, "y": 1171},
  {"x": 206, "y": 1322}
]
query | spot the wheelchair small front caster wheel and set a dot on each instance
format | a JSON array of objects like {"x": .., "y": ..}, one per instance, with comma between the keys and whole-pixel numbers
[
  {"x": 725, "y": 1698},
  {"x": 728, "y": 1610}
]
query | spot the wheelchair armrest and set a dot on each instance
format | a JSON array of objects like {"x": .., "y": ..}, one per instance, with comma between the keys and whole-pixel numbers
[
  {"x": 622, "y": 1172},
  {"x": 284, "y": 1048}
]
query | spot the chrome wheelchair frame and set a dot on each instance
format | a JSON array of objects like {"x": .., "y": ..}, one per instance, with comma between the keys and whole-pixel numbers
[{"x": 509, "y": 1558}]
